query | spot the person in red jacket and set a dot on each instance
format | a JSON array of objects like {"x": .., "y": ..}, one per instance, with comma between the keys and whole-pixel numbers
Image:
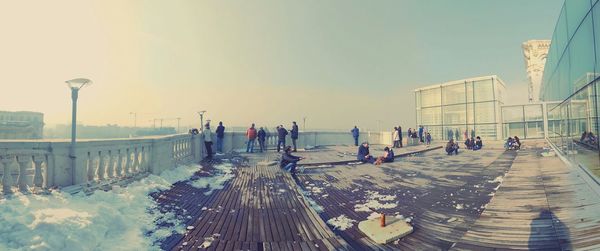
[{"x": 251, "y": 135}]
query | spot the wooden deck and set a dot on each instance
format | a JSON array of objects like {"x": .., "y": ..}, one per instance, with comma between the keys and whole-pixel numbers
[{"x": 483, "y": 200}]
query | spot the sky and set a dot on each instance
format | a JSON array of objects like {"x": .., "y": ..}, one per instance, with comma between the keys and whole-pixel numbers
[{"x": 269, "y": 62}]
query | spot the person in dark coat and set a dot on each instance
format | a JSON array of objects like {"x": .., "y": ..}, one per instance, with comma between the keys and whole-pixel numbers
[
  {"x": 400, "y": 135},
  {"x": 294, "y": 134},
  {"x": 262, "y": 136},
  {"x": 288, "y": 161},
  {"x": 220, "y": 135},
  {"x": 281, "y": 133},
  {"x": 421, "y": 134},
  {"x": 355, "y": 134},
  {"x": 451, "y": 147},
  {"x": 363, "y": 153},
  {"x": 478, "y": 144}
]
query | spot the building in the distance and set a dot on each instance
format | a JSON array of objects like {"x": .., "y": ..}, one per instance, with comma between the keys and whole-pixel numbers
[
  {"x": 21, "y": 125},
  {"x": 535, "y": 52},
  {"x": 463, "y": 107}
]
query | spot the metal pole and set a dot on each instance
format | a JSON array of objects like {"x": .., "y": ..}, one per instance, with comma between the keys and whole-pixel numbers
[
  {"x": 178, "y": 119},
  {"x": 74, "y": 95},
  {"x": 304, "y": 124},
  {"x": 134, "y": 119},
  {"x": 201, "y": 121}
]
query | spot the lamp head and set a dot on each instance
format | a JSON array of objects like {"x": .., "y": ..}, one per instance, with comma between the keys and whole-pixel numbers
[{"x": 78, "y": 83}]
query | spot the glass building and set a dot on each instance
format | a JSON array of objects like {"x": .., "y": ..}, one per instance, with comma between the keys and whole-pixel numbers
[
  {"x": 524, "y": 121},
  {"x": 571, "y": 79},
  {"x": 462, "y": 107}
]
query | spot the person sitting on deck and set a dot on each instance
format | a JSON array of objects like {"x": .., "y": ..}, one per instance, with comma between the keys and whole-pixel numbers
[
  {"x": 468, "y": 144},
  {"x": 451, "y": 147},
  {"x": 288, "y": 161},
  {"x": 363, "y": 153},
  {"x": 517, "y": 144},
  {"x": 509, "y": 143},
  {"x": 388, "y": 156},
  {"x": 478, "y": 144}
]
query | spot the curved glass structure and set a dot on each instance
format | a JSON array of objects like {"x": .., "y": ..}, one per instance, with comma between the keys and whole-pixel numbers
[{"x": 571, "y": 79}]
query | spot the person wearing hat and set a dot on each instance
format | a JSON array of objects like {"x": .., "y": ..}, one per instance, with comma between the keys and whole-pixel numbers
[
  {"x": 363, "y": 153},
  {"x": 289, "y": 161}
]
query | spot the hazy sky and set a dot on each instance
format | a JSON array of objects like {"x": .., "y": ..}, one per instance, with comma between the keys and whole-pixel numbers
[{"x": 338, "y": 63}]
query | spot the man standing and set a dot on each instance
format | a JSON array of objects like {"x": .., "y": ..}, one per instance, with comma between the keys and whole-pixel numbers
[
  {"x": 355, "y": 135},
  {"x": 400, "y": 135},
  {"x": 421, "y": 134},
  {"x": 220, "y": 135},
  {"x": 262, "y": 136},
  {"x": 294, "y": 134},
  {"x": 207, "y": 140},
  {"x": 395, "y": 137},
  {"x": 251, "y": 135},
  {"x": 281, "y": 133}
]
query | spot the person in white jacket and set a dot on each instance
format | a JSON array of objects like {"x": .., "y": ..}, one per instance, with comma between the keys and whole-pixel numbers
[
  {"x": 207, "y": 134},
  {"x": 396, "y": 137}
]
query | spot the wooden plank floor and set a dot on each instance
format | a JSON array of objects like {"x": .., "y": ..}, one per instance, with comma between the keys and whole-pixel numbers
[
  {"x": 541, "y": 205},
  {"x": 259, "y": 209}
]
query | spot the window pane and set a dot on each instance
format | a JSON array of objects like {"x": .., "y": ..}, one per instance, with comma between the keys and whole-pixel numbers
[
  {"x": 470, "y": 115},
  {"x": 470, "y": 91},
  {"x": 512, "y": 114},
  {"x": 483, "y": 90},
  {"x": 431, "y": 97},
  {"x": 455, "y": 114},
  {"x": 533, "y": 112},
  {"x": 486, "y": 132},
  {"x": 515, "y": 129},
  {"x": 582, "y": 61},
  {"x": 484, "y": 112},
  {"x": 454, "y": 94},
  {"x": 535, "y": 129},
  {"x": 431, "y": 116}
]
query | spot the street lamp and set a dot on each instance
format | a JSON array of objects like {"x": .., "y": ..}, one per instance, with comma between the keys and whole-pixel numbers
[
  {"x": 75, "y": 85},
  {"x": 201, "y": 113}
]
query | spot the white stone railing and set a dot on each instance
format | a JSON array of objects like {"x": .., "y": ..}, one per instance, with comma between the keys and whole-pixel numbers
[
  {"x": 28, "y": 166},
  {"x": 32, "y": 165}
]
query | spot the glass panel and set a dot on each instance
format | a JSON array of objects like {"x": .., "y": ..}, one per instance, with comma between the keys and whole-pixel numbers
[
  {"x": 535, "y": 130},
  {"x": 486, "y": 132},
  {"x": 484, "y": 112},
  {"x": 431, "y": 116},
  {"x": 431, "y": 97},
  {"x": 454, "y": 94},
  {"x": 533, "y": 112},
  {"x": 576, "y": 10},
  {"x": 484, "y": 90},
  {"x": 455, "y": 114},
  {"x": 470, "y": 91},
  {"x": 514, "y": 129},
  {"x": 582, "y": 61},
  {"x": 470, "y": 115},
  {"x": 512, "y": 114}
]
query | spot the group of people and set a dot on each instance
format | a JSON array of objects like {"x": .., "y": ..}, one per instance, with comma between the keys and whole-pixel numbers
[
  {"x": 474, "y": 143},
  {"x": 419, "y": 136},
  {"x": 589, "y": 138},
  {"x": 414, "y": 136},
  {"x": 512, "y": 143},
  {"x": 365, "y": 156}
]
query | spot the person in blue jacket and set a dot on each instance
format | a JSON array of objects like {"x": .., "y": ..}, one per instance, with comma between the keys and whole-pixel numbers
[
  {"x": 288, "y": 161},
  {"x": 294, "y": 135},
  {"x": 421, "y": 134},
  {"x": 220, "y": 134},
  {"x": 281, "y": 133},
  {"x": 355, "y": 133},
  {"x": 262, "y": 136},
  {"x": 363, "y": 153}
]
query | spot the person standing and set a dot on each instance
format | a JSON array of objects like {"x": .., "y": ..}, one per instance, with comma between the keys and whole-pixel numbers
[
  {"x": 421, "y": 134},
  {"x": 207, "y": 140},
  {"x": 428, "y": 138},
  {"x": 355, "y": 134},
  {"x": 400, "y": 135},
  {"x": 409, "y": 135},
  {"x": 251, "y": 135},
  {"x": 281, "y": 133},
  {"x": 294, "y": 134},
  {"x": 395, "y": 138},
  {"x": 262, "y": 136},
  {"x": 220, "y": 135}
]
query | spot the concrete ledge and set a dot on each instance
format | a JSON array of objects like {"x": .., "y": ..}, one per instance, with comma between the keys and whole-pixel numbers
[{"x": 394, "y": 229}]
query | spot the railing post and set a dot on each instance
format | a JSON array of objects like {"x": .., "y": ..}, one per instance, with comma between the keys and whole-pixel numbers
[
  {"x": 38, "y": 178},
  {"x": 119, "y": 171},
  {"x": 127, "y": 163},
  {"x": 91, "y": 168},
  {"x": 136, "y": 161},
  {"x": 7, "y": 181},
  {"x": 110, "y": 171},
  {"x": 24, "y": 163},
  {"x": 101, "y": 166}
]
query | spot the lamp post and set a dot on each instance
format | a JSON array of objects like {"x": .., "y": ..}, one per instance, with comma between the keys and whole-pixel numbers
[
  {"x": 304, "y": 124},
  {"x": 75, "y": 85},
  {"x": 201, "y": 113}
]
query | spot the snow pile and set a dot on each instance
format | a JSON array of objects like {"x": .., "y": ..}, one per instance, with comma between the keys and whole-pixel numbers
[
  {"x": 224, "y": 172},
  {"x": 341, "y": 222},
  {"x": 374, "y": 201},
  {"x": 498, "y": 179},
  {"x": 126, "y": 219}
]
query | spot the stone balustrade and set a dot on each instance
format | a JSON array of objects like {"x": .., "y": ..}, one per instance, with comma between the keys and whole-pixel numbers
[{"x": 33, "y": 165}]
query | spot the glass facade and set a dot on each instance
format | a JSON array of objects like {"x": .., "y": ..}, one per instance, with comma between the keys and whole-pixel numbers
[
  {"x": 571, "y": 79},
  {"x": 463, "y": 107},
  {"x": 524, "y": 121}
]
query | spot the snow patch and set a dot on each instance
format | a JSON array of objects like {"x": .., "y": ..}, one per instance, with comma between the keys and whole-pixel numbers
[
  {"x": 224, "y": 172},
  {"x": 341, "y": 222}
]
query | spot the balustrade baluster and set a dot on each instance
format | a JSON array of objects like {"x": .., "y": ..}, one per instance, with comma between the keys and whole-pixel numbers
[
  {"x": 24, "y": 164},
  {"x": 91, "y": 171},
  {"x": 38, "y": 178},
  {"x": 128, "y": 164},
  {"x": 143, "y": 159},
  {"x": 110, "y": 171},
  {"x": 101, "y": 166},
  {"x": 119, "y": 169},
  {"x": 136, "y": 161},
  {"x": 7, "y": 180}
]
